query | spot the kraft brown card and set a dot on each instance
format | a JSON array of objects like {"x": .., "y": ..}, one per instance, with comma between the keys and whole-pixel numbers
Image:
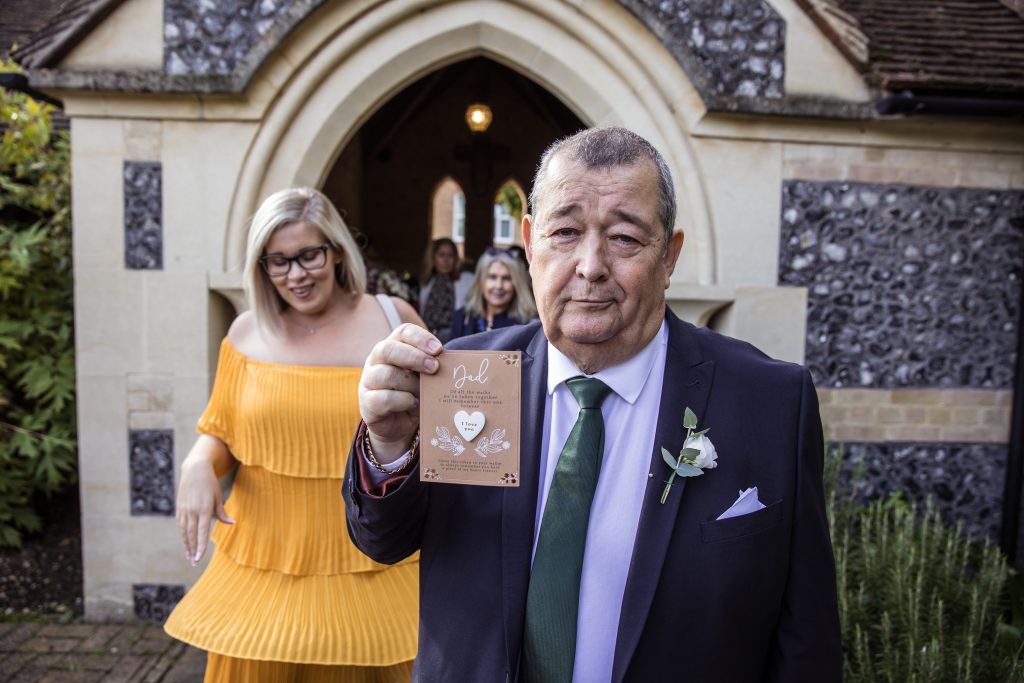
[{"x": 469, "y": 419}]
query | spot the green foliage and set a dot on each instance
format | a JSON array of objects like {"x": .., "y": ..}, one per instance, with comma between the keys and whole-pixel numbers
[
  {"x": 37, "y": 367},
  {"x": 509, "y": 198},
  {"x": 919, "y": 602}
]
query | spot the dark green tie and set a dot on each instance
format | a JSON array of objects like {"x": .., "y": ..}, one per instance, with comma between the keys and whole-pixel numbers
[{"x": 552, "y": 602}]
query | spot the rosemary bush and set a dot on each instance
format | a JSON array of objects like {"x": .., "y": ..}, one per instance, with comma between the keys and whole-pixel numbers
[{"x": 919, "y": 601}]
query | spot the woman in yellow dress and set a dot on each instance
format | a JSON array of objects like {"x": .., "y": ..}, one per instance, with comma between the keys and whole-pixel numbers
[{"x": 286, "y": 596}]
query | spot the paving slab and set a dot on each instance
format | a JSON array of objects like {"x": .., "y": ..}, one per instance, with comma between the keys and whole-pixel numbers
[{"x": 96, "y": 653}]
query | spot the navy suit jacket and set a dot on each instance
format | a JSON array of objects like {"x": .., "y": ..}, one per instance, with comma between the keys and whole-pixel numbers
[{"x": 752, "y": 598}]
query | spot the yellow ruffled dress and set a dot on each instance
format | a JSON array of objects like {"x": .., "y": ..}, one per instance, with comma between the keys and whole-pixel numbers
[{"x": 285, "y": 583}]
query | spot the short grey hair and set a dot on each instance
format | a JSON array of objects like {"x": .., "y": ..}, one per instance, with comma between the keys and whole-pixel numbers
[
  {"x": 296, "y": 205},
  {"x": 608, "y": 148}
]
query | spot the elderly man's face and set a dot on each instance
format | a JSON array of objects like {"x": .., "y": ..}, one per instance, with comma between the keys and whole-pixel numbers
[{"x": 599, "y": 261}]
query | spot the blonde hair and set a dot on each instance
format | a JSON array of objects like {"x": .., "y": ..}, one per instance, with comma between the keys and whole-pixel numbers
[
  {"x": 522, "y": 307},
  {"x": 296, "y": 205}
]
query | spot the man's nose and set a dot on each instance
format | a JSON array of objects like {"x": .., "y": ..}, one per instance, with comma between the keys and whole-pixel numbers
[{"x": 592, "y": 258}]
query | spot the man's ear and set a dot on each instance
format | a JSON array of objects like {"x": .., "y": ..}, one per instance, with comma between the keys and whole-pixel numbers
[
  {"x": 526, "y": 227},
  {"x": 675, "y": 245}
]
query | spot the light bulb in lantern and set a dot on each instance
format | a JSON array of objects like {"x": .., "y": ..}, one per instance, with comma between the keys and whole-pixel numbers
[{"x": 478, "y": 117}]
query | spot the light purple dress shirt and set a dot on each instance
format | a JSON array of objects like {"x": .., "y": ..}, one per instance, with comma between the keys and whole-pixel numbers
[{"x": 630, "y": 418}]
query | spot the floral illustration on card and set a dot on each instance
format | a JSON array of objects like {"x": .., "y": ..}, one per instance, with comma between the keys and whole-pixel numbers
[
  {"x": 495, "y": 443},
  {"x": 447, "y": 441}
]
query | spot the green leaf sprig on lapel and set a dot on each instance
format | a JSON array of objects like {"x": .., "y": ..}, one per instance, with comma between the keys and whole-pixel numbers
[{"x": 698, "y": 454}]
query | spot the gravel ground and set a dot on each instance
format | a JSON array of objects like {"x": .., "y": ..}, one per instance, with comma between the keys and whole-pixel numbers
[{"x": 43, "y": 578}]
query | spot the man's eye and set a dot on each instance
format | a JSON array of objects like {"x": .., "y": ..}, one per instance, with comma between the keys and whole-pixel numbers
[
  {"x": 565, "y": 232},
  {"x": 625, "y": 239}
]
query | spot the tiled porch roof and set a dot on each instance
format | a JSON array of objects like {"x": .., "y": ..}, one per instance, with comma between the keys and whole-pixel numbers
[{"x": 951, "y": 47}]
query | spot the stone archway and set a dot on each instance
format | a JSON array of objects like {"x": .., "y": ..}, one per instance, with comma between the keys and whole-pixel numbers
[
  {"x": 601, "y": 63},
  {"x": 385, "y": 177}
]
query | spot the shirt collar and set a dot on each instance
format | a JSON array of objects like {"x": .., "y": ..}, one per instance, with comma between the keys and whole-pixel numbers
[{"x": 627, "y": 379}]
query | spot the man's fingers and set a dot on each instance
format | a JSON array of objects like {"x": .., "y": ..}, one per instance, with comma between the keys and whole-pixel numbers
[
  {"x": 409, "y": 347},
  {"x": 382, "y": 403},
  {"x": 414, "y": 335},
  {"x": 390, "y": 377}
]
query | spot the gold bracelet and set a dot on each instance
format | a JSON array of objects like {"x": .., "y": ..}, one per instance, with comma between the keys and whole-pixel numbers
[{"x": 413, "y": 453}]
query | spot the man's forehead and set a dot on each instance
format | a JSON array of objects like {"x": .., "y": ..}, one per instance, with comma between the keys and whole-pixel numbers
[
  {"x": 571, "y": 182},
  {"x": 562, "y": 170}
]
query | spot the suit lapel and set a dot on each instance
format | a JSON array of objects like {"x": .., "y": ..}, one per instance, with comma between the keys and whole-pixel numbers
[
  {"x": 519, "y": 505},
  {"x": 687, "y": 384}
]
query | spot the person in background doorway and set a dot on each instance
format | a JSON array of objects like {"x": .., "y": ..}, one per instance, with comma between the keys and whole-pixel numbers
[
  {"x": 287, "y": 597},
  {"x": 380, "y": 279},
  {"x": 500, "y": 296},
  {"x": 444, "y": 287}
]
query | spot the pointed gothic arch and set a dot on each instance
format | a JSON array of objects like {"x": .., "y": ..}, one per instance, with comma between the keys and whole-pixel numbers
[{"x": 603, "y": 65}]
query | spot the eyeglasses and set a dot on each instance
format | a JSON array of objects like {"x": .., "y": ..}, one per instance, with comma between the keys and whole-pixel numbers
[
  {"x": 513, "y": 252},
  {"x": 311, "y": 258}
]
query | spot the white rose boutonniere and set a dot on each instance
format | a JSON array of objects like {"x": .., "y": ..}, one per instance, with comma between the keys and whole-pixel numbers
[
  {"x": 708, "y": 458},
  {"x": 698, "y": 454}
]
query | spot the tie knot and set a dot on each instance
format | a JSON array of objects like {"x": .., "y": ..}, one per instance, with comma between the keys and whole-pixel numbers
[{"x": 590, "y": 392}]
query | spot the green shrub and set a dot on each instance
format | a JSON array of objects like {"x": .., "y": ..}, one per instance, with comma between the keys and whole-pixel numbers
[
  {"x": 37, "y": 366},
  {"x": 919, "y": 601}
]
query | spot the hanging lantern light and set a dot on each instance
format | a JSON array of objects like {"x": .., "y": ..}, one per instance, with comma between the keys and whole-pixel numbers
[{"x": 478, "y": 117}]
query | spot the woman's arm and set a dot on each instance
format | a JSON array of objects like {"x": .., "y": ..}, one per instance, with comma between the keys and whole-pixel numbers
[{"x": 199, "y": 495}]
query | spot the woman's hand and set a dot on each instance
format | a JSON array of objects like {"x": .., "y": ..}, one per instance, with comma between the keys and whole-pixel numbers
[{"x": 199, "y": 495}]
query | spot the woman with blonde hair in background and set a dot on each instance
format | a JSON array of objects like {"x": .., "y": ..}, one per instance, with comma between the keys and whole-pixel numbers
[
  {"x": 287, "y": 597},
  {"x": 499, "y": 297}
]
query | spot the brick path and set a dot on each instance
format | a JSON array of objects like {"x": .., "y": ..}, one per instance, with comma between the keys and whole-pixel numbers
[{"x": 87, "y": 653}]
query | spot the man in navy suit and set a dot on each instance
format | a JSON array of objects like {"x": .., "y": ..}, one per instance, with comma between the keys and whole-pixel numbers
[{"x": 668, "y": 590}]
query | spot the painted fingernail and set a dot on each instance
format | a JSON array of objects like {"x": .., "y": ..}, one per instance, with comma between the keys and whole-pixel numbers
[
  {"x": 195, "y": 559},
  {"x": 430, "y": 364}
]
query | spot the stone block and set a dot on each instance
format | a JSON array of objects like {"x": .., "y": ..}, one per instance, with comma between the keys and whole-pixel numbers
[
  {"x": 864, "y": 415},
  {"x": 138, "y": 400},
  {"x": 916, "y": 397},
  {"x": 966, "y": 416},
  {"x": 915, "y": 415},
  {"x": 151, "y": 420},
  {"x": 143, "y": 139},
  {"x": 109, "y": 310}
]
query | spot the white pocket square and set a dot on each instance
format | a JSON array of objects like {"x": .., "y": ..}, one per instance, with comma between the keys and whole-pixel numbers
[{"x": 744, "y": 505}]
